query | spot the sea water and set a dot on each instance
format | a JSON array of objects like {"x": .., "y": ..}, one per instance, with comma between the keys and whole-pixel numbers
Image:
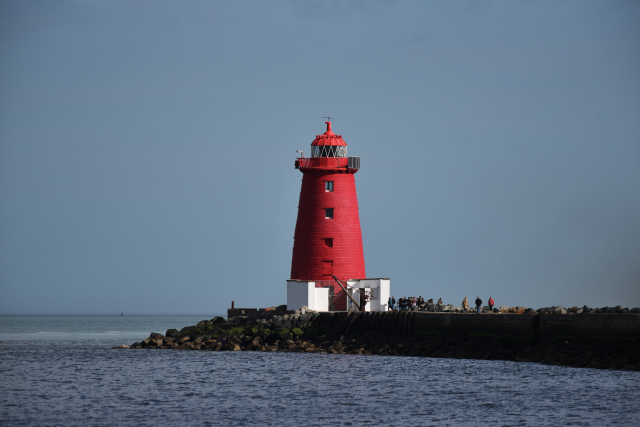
[{"x": 61, "y": 370}]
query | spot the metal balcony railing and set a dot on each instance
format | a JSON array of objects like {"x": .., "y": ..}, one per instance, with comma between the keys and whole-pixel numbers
[{"x": 328, "y": 162}]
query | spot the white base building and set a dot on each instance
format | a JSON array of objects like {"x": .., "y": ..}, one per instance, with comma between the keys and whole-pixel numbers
[{"x": 300, "y": 292}]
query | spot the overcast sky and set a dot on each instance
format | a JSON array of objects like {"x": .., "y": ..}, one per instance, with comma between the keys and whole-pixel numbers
[{"x": 147, "y": 149}]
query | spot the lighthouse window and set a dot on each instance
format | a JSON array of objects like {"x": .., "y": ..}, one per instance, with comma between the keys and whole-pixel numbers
[
  {"x": 328, "y": 186},
  {"x": 328, "y": 213},
  {"x": 328, "y": 242},
  {"x": 328, "y": 151}
]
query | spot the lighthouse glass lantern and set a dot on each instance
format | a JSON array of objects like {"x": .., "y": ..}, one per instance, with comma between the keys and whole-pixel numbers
[{"x": 328, "y": 239}]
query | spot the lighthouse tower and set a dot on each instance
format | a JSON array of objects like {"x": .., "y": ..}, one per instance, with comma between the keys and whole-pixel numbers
[{"x": 328, "y": 239}]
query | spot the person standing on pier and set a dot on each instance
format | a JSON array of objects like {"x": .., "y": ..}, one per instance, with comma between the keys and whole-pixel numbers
[
  {"x": 490, "y": 303},
  {"x": 465, "y": 304},
  {"x": 478, "y": 304}
]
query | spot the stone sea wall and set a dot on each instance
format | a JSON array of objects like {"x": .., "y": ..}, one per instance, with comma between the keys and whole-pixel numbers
[{"x": 594, "y": 340}]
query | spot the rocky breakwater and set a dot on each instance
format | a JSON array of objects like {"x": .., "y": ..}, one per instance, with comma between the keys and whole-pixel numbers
[
  {"x": 268, "y": 331},
  {"x": 594, "y": 340}
]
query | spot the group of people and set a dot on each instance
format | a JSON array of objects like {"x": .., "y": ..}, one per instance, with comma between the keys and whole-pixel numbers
[
  {"x": 407, "y": 303},
  {"x": 465, "y": 304}
]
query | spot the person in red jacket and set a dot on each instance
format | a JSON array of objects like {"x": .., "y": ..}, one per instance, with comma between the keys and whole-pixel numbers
[{"x": 491, "y": 303}]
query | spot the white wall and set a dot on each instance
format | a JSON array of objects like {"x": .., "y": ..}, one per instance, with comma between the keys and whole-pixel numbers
[
  {"x": 322, "y": 300},
  {"x": 301, "y": 293},
  {"x": 381, "y": 288}
]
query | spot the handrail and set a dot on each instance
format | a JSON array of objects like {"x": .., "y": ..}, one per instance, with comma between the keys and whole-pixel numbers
[
  {"x": 328, "y": 162},
  {"x": 345, "y": 291}
]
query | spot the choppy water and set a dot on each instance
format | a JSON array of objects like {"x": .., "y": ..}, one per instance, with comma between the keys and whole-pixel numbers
[{"x": 67, "y": 374}]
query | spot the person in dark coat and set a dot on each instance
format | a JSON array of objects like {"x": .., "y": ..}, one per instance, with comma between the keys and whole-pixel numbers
[
  {"x": 478, "y": 304},
  {"x": 364, "y": 299}
]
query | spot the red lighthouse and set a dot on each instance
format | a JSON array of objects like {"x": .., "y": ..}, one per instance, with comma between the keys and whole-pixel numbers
[{"x": 328, "y": 239}]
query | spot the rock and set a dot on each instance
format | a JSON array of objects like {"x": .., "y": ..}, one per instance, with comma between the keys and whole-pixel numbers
[
  {"x": 252, "y": 345},
  {"x": 217, "y": 320},
  {"x": 172, "y": 333},
  {"x": 239, "y": 320},
  {"x": 305, "y": 317},
  {"x": 122, "y": 346},
  {"x": 287, "y": 344},
  {"x": 184, "y": 339},
  {"x": 156, "y": 336},
  {"x": 304, "y": 309}
]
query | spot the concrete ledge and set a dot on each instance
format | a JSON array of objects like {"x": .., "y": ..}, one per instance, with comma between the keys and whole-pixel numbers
[
  {"x": 590, "y": 326},
  {"x": 522, "y": 327},
  {"x": 518, "y": 325}
]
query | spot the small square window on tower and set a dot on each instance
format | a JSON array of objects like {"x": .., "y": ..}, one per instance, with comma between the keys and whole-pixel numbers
[
  {"x": 328, "y": 242},
  {"x": 328, "y": 186},
  {"x": 328, "y": 213}
]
